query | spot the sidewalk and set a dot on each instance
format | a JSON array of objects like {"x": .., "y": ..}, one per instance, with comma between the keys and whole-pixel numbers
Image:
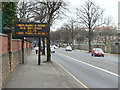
[{"x": 30, "y": 75}]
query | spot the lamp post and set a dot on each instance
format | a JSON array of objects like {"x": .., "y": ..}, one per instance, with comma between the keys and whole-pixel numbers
[
  {"x": 59, "y": 38},
  {"x": 101, "y": 26}
]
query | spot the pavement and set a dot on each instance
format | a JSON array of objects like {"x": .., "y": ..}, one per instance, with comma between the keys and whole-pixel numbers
[{"x": 46, "y": 75}]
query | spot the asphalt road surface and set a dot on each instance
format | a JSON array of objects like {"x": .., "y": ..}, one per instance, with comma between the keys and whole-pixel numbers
[{"x": 93, "y": 72}]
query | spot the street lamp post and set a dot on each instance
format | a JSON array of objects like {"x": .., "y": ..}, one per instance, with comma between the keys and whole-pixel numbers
[
  {"x": 59, "y": 38},
  {"x": 101, "y": 27}
]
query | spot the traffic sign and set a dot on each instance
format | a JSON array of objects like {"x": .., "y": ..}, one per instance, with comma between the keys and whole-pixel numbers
[{"x": 23, "y": 29}]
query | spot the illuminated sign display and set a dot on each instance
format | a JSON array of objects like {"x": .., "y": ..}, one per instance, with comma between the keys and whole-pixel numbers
[{"x": 23, "y": 29}]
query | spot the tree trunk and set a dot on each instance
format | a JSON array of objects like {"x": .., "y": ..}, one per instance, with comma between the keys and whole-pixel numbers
[
  {"x": 89, "y": 45},
  {"x": 43, "y": 40},
  {"x": 105, "y": 40},
  {"x": 67, "y": 43},
  {"x": 48, "y": 40},
  {"x": 90, "y": 36},
  {"x": 72, "y": 44},
  {"x": 48, "y": 49},
  {"x": 72, "y": 41}
]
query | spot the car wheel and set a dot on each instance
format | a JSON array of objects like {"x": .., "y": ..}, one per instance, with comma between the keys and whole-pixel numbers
[
  {"x": 91, "y": 54},
  {"x": 103, "y": 56},
  {"x": 94, "y": 55}
]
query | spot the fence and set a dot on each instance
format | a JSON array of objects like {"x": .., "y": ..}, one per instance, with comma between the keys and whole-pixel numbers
[{"x": 106, "y": 48}]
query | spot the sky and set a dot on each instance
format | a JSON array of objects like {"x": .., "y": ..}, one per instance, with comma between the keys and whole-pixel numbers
[{"x": 110, "y": 6}]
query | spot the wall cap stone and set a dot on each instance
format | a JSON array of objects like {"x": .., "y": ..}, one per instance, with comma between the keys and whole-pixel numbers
[
  {"x": 16, "y": 39},
  {"x": 1, "y": 34},
  {"x": 7, "y": 30}
]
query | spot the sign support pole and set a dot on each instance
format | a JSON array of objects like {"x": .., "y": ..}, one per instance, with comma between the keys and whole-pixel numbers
[
  {"x": 23, "y": 37},
  {"x": 23, "y": 51},
  {"x": 39, "y": 55}
]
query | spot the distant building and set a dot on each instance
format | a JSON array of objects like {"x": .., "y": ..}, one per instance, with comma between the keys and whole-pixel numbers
[
  {"x": 99, "y": 28},
  {"x": 104, "y": 28},
  {"x": 97, "y": 39}
]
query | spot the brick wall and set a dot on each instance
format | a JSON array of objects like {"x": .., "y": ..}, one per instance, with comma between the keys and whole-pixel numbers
[
  {"x": 10, "y": 54},
  {"x": 16, "y": 52},
  {"x": 4, "y": 44},
  {"x": 0, "y": 62},
  {"x": 4, "y": 58},
  {"x": 5, "y": 67}
]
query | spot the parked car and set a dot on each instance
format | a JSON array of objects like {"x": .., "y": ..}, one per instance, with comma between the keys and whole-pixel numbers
[
  {"x": 97, "y": 52},
  {"x": 52, "y": 50},
  {"x": 68, "y": 48},
  {"x": 55, "y": 47}
]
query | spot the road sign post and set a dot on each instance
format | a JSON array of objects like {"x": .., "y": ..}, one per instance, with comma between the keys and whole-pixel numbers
[
  {"x": 23, "y": 50},
  {"x": 39, "y": 55}
]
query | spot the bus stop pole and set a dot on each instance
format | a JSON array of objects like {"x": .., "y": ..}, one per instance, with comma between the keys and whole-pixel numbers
[{"x": 39, "y": 55}]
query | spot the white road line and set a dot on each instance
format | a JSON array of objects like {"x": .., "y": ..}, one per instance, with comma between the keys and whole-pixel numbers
[
  {"x": 96, "y": 57},
  {"x": 92, "y": 65}
]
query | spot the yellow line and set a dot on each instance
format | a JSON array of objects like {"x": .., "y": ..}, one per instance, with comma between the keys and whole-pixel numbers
[{"x": 71, "y": 75}]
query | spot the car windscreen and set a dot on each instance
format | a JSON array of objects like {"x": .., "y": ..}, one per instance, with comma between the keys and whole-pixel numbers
[{"x": 98, "y": 49}]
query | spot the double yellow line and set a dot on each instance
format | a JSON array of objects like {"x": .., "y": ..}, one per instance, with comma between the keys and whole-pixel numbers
[{"x": 71, "y": 75}]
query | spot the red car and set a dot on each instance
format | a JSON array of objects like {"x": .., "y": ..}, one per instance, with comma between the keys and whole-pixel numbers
[{"x": 97, "y": 52}]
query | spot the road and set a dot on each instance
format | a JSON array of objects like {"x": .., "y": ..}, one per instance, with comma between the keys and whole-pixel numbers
[{"x": 93, "y": 72}]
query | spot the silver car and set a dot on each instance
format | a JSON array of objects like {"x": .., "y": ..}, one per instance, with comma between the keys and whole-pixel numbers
[
  {"x": 52, "y": 50},
  {"x": 68, "y": 48}
]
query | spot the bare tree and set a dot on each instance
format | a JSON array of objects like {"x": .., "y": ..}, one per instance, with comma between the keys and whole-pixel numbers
[
  {"x": 82, "y": 35},
  {"x": 66, "y": 34},
  {"x": 34, "y": 12},
  {"x": 55, "y": 36},
  {"x": 72, "y": 30},
  {"x": 39, "y": 12},
  {"x": 54, "y": 9},
  {"x": 24, "y": 8},
  {"x": 109, "y": 30},
  {"x": 89, "y": 14}
]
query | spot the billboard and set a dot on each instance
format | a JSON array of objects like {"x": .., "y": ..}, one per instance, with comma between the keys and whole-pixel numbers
[{"x": 23, "y": 29}]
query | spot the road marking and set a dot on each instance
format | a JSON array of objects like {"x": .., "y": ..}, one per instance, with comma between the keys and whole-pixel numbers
[
  {"x": 71, "y": 74},
  {"x": 92, "y": 66},
  {"x": 97, "y": 57}
]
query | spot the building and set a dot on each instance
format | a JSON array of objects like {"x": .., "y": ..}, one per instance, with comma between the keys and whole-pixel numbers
[{"x": 108, "y": 35}]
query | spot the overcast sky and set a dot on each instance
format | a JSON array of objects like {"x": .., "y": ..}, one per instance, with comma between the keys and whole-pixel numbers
[{"x": 110, "y": 6}]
